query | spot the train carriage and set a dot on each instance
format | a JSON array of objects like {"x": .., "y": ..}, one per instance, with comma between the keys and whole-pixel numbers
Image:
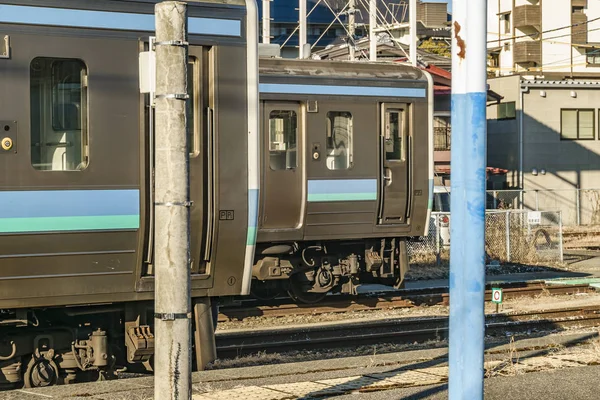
[
  {"x": 312, "y": 188},
  {"x": 346, "y": 174},
  {"x": 76, "y": 188}
]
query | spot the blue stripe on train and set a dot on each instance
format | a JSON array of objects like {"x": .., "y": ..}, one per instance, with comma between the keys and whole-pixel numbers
[
  {"x": 69, "y": 203},
  {"x": 34, "y": 15},
  {"x": 338, "y": 90},
  {"x": 341, "y": 186}
]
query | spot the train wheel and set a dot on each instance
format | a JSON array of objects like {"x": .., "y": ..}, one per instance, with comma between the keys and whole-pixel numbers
[
  {"x": 41, "y": 372},
  {"x": 297, "y": 292}
]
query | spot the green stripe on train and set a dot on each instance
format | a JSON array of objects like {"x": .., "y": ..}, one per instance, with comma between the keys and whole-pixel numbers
[
  {"x": 313, "y": 197},
  {"x": 61, "y": 224},
  {"x": 251, "y": 239}
]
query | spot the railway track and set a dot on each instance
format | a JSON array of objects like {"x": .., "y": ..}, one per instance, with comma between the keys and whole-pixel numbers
[
  {"x": 390, "y": 300},
  {"x": 398, "y": 331}
]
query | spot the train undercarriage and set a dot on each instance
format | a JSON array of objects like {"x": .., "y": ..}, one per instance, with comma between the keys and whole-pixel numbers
[
  {"x": 308, "y": 271},
  {"x": 53, "y": 346}
]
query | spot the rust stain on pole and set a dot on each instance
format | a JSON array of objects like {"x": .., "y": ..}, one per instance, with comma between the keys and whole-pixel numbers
[{"x": 459, "y": 41}]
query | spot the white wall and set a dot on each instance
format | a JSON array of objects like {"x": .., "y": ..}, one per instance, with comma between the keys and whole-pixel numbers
[{"x": 556, "y": 53}]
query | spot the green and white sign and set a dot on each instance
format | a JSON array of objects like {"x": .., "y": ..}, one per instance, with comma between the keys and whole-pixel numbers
[{"x": 497, "y": 295}]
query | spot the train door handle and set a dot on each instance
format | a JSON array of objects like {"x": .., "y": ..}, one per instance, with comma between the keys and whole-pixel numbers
[{"x": 387, "y": 178}]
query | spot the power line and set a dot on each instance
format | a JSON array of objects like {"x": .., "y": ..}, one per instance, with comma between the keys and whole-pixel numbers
[{"x": 548, "y": 31}]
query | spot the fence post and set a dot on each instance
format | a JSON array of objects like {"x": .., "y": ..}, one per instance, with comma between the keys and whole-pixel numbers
[
  {"x": 507, "y": 236},
  {"x": 537, "y": 201},
  {"x": 495, "y": 199},
  {"x": 560, "y": 236},
  {"x": 578, "y": 205},
  {"x": 438, "y": 236}
]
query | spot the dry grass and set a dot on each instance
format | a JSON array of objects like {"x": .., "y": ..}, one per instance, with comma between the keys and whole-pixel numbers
[{"x": 508, "y": 366}]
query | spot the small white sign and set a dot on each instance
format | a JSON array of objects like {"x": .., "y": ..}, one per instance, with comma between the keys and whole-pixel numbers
[
  {"x": 147, "y": 72},
  {"x": 496, "y": 295},
  {"x": 534, "y": 217}
]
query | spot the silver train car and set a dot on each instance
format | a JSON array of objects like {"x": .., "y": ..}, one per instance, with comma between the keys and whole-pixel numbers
[{"x": 346, "y": 174}]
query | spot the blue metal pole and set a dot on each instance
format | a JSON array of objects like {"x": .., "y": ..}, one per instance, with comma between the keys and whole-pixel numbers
[{"x": 468, "y": 161}]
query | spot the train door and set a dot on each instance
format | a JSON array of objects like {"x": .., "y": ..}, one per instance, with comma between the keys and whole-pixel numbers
[
  {"x": 200, "y": 140},
  {"x": 395, "y": 162},
  {"x": 282, "y": 165},
  {"x": 201, "y": 148}
]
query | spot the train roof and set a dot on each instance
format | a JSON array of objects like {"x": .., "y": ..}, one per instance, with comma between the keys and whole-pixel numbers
[
  {"x": 232, "y": 2},
  {"x": 340, "y": 69}
]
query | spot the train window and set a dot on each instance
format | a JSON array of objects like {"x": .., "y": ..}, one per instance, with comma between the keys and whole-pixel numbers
[
  {"x": 59, "y": 133},
  {"x": 283, "y": 132},
  {"x": 394, "y": 139},
  {"x": 192, "y": 106},
  {"x": 339, "y": 140}
]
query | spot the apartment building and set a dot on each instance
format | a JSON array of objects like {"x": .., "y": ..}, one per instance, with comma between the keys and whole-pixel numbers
[{"x": 544, "y": 37}]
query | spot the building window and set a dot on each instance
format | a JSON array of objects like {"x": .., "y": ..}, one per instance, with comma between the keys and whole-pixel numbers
[
  {"x": 283, "y": 133},
  {"x": 507, "y": 110},
  {"x": 505, "y": 19},
  {"x": 59, "y": 131},
  {"x": 577, "y": 124},
  {"x": 339, "y": 140},
  {"x": 593, "y": 56},
  {"x": 442, "y": 133}
]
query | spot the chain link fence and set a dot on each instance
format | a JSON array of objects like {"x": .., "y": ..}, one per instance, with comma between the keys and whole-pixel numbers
[
  {"x": 511, "y": 236},
  {"x": 578, "y": 206}
]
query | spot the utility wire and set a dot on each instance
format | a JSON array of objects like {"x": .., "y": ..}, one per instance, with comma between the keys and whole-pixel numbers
[
  {"x": 548, "y": 31},
  {"x": 298, "y": 27},
  {"x": 329, "y": 27}
]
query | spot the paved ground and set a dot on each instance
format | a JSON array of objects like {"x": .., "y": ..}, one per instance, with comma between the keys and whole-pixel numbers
[
  {"x": 410, "y": 374},
  {"x": 569, "y": 384}
]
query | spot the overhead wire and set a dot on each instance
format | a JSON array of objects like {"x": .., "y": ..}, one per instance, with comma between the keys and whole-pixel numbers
[
  {"x": 385, "y": 25},
  {"x": 329, "y": 26},
  {"x": 547, "y": 31},
  {"x": 298, "y": 27}
]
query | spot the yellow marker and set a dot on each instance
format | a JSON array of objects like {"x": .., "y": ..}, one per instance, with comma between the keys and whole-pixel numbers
[{"x": 7, "y": 143}]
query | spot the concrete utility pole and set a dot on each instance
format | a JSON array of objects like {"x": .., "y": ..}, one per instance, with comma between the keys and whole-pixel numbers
[
  {"x": 372, "y": 27},
  {"x": 172, "y": 319},
  {"x": 266, "y": 21},
  {"x": 413, "y": 31},
  {"x": 351, "y": 28},
  {"x": 302, "y": 21},
  {"x": 467, "y": 254}
]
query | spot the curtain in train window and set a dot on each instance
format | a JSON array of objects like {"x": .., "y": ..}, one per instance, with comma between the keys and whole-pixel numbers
[
  {"x": 283, "y": 133},
  {"x": 59, "y": 134},
  {"x": 339, "y": 140}
]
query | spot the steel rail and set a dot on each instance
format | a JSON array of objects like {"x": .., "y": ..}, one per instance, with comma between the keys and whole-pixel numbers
[
  {"x": 389, "y": 300},
  {"x": 398, "y": 331}
]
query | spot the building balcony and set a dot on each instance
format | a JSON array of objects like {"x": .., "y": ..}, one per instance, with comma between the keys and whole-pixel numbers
[
  {"x": 528, "y": 52},
  {"x": 579, "y": 31},
  {"x": 579, "y": 3},
  {"x": 527, "y": 15},
  {"x": 441, "y": 138}
]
